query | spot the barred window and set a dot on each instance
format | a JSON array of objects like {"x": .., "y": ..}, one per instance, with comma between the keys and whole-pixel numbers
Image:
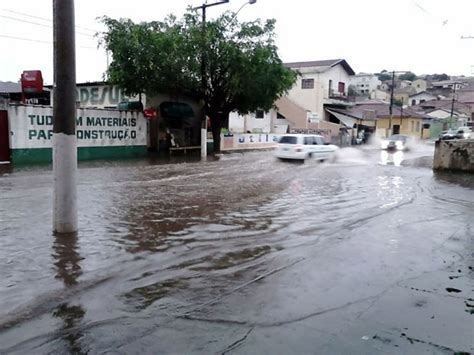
[{"x": 307, "y": 83}]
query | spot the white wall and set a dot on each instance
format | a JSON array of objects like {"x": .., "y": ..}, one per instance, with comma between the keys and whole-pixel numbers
[{"x": 268, "y": 124}]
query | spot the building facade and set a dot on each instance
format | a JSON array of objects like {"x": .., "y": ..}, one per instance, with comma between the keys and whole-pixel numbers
[{"x": 365, "y": 84}]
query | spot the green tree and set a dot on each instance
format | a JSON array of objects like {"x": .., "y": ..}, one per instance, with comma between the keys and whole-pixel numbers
[
  {"x": 398, "y": 102},
  {"x": 243, "y": 70},
  {"x": 407, "y": 76},
  {"x": 384, "y": 75},
  {"x": 438, "y": 77}
]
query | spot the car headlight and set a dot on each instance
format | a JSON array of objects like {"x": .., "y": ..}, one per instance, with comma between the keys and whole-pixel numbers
[
  {"x": 399, "y": 144},
  {"x": 384, "y": 144},
  {"x": 466, "y": 135}
]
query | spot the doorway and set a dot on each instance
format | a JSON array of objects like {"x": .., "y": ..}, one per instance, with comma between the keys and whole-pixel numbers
[
  {"x": 4, "y": 137},
  {"x": 396, "y": 129}
]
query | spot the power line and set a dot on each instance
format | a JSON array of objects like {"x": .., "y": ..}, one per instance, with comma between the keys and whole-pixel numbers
[
  {"x": 45, "y": 19},
  {"x": 40, "y": 24},
  {"x": 36, "y": 40},
  {"x": 25, "y": 39}
]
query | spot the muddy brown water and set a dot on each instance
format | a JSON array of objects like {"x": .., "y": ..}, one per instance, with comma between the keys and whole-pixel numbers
[{"x": 164, "y": 247}]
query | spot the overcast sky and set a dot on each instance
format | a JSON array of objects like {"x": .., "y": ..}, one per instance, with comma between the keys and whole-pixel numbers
[{"x": 423, "y": 36}]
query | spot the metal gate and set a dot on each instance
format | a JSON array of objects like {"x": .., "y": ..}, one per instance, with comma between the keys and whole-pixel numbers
[{"x": 4, "y": 137}]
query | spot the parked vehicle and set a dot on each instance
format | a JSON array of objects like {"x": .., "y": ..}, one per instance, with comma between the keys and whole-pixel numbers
[
  {"x": 458, "y": 133},
  {"x": 464, "y": 133},
  {"x": 397, "y": 142},
  {"x": 304, "y": 146},
  {"x": 446, "y": 135}
]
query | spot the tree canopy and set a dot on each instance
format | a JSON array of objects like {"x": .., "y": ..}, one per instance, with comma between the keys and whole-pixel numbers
[
  {"x": 384, "y": 75},
  {"x": 242, "y": 68},
  {"x": 407, "y": 76},
  {"x": 437, "y": 77}
]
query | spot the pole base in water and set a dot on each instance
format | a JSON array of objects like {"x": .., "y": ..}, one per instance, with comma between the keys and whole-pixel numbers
[{"x": 64, "y": 172}]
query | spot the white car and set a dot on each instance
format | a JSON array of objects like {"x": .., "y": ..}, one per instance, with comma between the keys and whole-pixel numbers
[{"x": 304, "y": 146}]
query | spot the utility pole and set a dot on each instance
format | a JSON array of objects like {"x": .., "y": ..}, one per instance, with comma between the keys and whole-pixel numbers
[
  {"x": 401, "y": 115},
  {"x": 452, "y": 105},
  {"x": 203, "y": 8},
  {"x": 64, "y": 118},
  {"x": 392, "y": 87}
]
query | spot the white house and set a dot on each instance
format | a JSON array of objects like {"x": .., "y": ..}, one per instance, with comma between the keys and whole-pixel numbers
[
  {"x": 365, "y": 83},
  {"x": 441, "y": 113},
  {"x": 420, "y": 97},
  {"x": 321, "y": 85}
]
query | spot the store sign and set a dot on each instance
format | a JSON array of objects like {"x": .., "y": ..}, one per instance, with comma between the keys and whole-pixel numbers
[
  {"x": 99, "y": 96},
  {"x": 32, "y": 127}
]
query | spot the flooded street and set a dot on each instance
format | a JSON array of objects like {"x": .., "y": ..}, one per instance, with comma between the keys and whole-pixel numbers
[{"x": 243, "y": 254}]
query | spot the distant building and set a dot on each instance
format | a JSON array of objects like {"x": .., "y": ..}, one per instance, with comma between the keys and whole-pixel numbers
[
  {"x": 420, "y": 85},
  {"x": 364, "y": 83},
  {"x": 420, "y": 97}
]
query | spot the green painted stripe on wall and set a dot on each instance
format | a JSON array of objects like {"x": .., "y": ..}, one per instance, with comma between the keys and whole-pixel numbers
[{"x": 45, "y": 155}]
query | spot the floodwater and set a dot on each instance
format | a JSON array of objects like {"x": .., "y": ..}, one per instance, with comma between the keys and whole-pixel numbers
[{"x": 370, "y": 254}]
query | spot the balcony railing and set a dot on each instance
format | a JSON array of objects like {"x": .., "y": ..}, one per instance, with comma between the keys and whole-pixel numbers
[{"x": 341, "y": 96}]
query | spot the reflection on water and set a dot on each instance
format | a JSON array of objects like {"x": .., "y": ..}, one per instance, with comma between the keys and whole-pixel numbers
[
  {"x": 391, "y": 158},
  {"x": 67, "y": 258},
  {"x": 68, "y": 269},
  {"x": 458, "y": 178},
  {"x": 71, "y": 317}
]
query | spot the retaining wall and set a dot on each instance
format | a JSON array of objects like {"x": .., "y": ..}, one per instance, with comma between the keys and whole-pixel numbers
[{"x": 454, "y": 155}]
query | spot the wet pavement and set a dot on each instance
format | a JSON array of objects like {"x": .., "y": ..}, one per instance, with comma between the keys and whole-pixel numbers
[{"x": 371, "y": 254}]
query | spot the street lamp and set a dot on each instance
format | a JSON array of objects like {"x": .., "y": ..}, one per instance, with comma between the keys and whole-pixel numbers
[
  {"x": 251, "y": 2},
  {"x": 203, "y": 8}
]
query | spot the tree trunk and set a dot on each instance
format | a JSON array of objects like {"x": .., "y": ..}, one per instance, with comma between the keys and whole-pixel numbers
[
  {"x": 219, "y": 120},
  {"x": 216, "y": 123}
]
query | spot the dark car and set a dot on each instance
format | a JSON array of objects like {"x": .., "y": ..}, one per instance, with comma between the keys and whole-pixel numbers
[{"x": 396, "y": 142}]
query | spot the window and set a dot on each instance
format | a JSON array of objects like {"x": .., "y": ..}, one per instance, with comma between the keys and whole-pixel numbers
[
  {"x": 308, "y": 140},
  {"x": 418, "y": 126},
  {"x": 413, "y": 102},
  {"x": 319, "y": 141},
  {"x": 330, "y": 88},
  {"x": 280, "y": 116},
  {"x": 307, "y": 83},
  {"x": 259, "y": 114},
  {"x": 421, "y": 101},
  {"x": 412, "y": 126},
  {"x": 288, "y": 140},
  {"x": 341, "y": 87}
]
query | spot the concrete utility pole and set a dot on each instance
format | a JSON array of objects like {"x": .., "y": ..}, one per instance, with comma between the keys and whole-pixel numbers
[
  {"x": 64, "y": 118},
  {"x": 392, "y": 88}
]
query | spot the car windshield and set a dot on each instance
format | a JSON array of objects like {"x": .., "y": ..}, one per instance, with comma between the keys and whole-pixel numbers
[
  {"x": 288, "y": 140},
  {"x": 398, "y": 137}
]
